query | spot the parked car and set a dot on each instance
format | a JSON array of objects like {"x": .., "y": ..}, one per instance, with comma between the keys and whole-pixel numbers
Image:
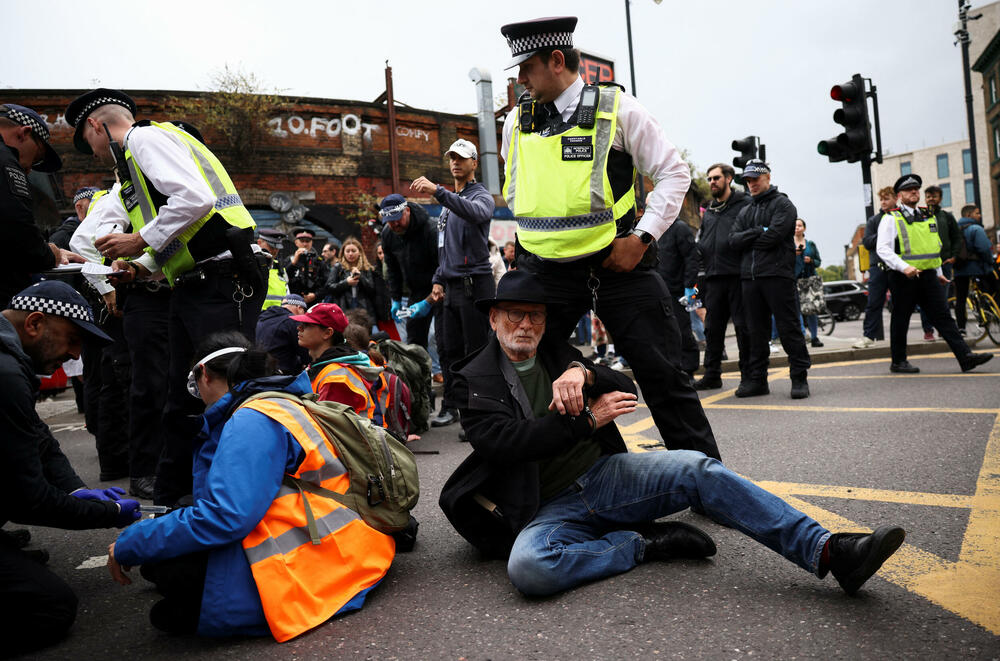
[{"x": 845, "y": 299}]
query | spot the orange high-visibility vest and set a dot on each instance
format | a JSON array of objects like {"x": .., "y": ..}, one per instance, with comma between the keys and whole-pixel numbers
[
  {"x": 352, "y": 389},
  {"x": 303, "y": 583}
]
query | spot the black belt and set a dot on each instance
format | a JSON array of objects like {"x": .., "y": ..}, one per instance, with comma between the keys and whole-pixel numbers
[{"x": 150, "y": 286}]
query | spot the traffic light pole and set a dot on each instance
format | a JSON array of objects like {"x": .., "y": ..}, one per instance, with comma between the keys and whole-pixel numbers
[{"x": 866, "y": 178}]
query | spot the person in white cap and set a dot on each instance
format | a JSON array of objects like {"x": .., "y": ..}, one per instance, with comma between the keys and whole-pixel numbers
[{"x": 464, "y": 274}]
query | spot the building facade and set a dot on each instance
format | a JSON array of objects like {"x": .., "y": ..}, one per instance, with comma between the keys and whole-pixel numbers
[{"x": 948, "y": 166}]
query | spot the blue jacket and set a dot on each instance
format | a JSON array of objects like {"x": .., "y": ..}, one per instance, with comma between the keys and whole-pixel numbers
[
  {"x": 278, "y": 335},
  {"x": 464, "y": 232},
  {"x": 978, "y": 245},
  {"x": 239, "y": 462}
]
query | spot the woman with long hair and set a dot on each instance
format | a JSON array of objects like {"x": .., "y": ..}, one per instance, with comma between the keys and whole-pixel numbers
[{"x": 352, "y": 280}]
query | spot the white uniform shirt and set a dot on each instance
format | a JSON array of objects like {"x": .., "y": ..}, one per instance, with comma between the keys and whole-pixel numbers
[
  {"x": 101, "y": 219},
  {"x": 639, "y": 134},
  {"x": 885, "y": 244}
]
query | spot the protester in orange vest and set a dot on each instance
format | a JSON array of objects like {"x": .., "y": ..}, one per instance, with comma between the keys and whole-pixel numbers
[
  {"x": 240, "y": 559},
  {"x": 338, "y": 371}
]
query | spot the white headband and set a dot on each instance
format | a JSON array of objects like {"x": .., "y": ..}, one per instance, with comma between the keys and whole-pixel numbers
[{"x": 220, "y": 352}]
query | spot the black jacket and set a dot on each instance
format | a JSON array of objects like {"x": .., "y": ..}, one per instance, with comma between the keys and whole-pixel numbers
[
  {"x": 717, "y": 256},
  {"x": 25, "y": 249},
  {"x": 870, "y": 239},
  {"x": 36, "y": 478},
  {"x": 771, "y": 253},
  {"x": 949, "y": 233},
  {"x": 64, "y": 232},
  {"x": 308, "y": 276},
  {"x": 278, "y": 335},
  {"x": 678, "y": 258},
  {"x": 338, "y": 290},
  {"x": 412, "y": 258},
  {"x": 507, "y": 443}
]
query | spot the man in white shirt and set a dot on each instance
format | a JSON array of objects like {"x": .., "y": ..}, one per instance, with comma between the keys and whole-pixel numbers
[
  {"x": 553, "y": 144},
  {"x": 908, "y": 245}
]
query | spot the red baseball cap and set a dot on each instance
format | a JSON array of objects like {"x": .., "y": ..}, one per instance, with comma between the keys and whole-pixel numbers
[{"x": 325, "y": 314}]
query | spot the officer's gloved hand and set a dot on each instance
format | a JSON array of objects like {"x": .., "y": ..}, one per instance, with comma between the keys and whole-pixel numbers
[
  {"x": 113, "y": 493},
  {"x": 128, "y": 513},
  {"x": 690, "y": 293},
  {"x": 421, "y": 309},
  {"x": 394, "y": 310}
]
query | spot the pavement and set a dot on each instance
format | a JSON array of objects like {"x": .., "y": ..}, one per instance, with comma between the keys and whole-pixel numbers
[{"x": 866, "y": 449}]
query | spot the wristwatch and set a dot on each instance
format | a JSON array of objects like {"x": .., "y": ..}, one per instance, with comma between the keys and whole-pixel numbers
[{"x": 644, "y": 236}]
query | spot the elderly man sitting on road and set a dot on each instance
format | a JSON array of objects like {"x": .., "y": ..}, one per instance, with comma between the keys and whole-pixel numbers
[{"x": 551, "y": 483}]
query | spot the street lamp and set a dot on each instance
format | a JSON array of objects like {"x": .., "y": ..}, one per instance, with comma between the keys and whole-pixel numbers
[
  {"x": 962, "y": 37},
  {"x": 631, "y": 67}
]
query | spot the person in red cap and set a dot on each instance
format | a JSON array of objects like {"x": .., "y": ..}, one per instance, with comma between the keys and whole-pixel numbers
[{"x": 338, "y": 372}]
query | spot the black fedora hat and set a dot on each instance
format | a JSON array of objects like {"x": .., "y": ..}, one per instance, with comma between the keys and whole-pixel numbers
[{"x": 515, "y": 287}]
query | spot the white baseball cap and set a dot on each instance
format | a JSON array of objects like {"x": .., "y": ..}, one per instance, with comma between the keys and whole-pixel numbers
[{"x": 463, "y": 148}]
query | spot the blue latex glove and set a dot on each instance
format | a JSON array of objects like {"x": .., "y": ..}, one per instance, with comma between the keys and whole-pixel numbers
[
  {"x": 690, "y": 293},
  {"x": 421, "y": 309},
  {"x": 114, "y": 493},
  {"x": 128, "y": 513},
  {"x": 396, "y": 307}
]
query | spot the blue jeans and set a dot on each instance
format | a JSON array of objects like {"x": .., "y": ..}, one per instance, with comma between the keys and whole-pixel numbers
[{"x": 586, "y": 532}]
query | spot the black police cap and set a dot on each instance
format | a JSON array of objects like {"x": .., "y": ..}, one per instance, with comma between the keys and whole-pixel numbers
[
  {"x": 528, "y": 37},
  {"x": 906, "y": 182},
  {"x": 25, "y": 116},
  {"x": 80, "y": 108}
]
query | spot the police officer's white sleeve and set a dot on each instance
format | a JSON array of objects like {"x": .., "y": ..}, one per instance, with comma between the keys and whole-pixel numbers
[
  {"x": 106, "y": 216},
  {"x": 884, "y": 245},
  {"x": 640, "y": 135},
  {"x": 168, "y": 165},
  {"x": 508, "y": 129}
]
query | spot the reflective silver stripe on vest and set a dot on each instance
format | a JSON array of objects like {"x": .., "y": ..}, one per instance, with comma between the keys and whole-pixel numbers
[
  {"x": 904, "y": 237},
  {"x": 558, "y": 223},
  {"x": 927, "y": 256},
  {"x": 512, "y": 156},
  {"x": 274, "y": 298},
  {"x": 213, "y": 179},
  {"x": 293, "y": 538},
  {"x": 602, "y": 141},
  {"x": 332, "y": 466},
  {"x": 144, "y": 208},
  {"x": 226, "y": 201}
]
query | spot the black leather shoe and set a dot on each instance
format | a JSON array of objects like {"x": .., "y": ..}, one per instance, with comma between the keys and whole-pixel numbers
[
  {"x": 816, "y": 342},
  {"x": 855, "y": 557},
  {"x": 752, "y": 389},
  {"x": 905, "y": 368},
  {"x": 974, "y": 360},
  {"x": 39, "y": 556},
  {"x": 462, "y": 437},
  {"x": 17, "y": 538},
  {"x": 110, "y": 475},
  {"x": 707, "y": 383},
  {"x": 444, "y": 418},
  {"x": 141, "y": 487},
  {"x": 800, "y": 388},
  {"x": 675, "y": 539}
]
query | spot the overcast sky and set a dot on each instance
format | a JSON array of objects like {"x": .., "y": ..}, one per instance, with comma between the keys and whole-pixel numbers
[{"x": 709, "y": 71}]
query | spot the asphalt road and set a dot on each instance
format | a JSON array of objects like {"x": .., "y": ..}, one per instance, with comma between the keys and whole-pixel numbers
[{"x": 867, "y": 448}]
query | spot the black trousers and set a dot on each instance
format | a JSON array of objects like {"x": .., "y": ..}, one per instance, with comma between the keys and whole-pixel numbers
[
  {"x": 92, "y": 351},
  {"x": 196, "y": 311},
  {"x": 926, "y": 291},
  {"x": 181, "y": 581},
  {"x": 112, "y": 413},
  {"x": 37, "y": 608},
  {"x": 762, "y": 298},
  {"x": 724, "y": 301},
  {"x": 635, "y": 308},
  {"x": 463, "y": 328},
  {"x": 144, "y": 324},
  {"x": 689, "y": 346}
]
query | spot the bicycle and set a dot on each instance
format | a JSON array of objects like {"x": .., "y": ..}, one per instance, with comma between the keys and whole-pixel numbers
[
  {"x": 983, "y": 310},
  {"x": 825, "y": 323}
]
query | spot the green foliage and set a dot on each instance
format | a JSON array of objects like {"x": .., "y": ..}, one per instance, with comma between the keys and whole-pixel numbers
[
  {"x": 830, "y": 273},
  {"x": 699, "y": 183}
]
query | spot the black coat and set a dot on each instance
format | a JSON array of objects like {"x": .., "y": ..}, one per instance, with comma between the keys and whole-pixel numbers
[
  {"x": 412, "y": 258},
  {"x": 949, "y": 233},
  {"x": 507, "y": 443},
  {"x": 338, "y": 290},
  {"x": 278, "y": 335},
  {"x": 678, "y": 258},
  {"x": 768, "y": 253},
  {"x": 870, "y": 239},
  {"x": 25, "y": 249},
  {"x": 64, "y": 232},
  {"x": 717, "y": 256}
]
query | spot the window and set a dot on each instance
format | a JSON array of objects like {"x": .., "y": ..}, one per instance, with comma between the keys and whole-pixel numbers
[
  {"x": 996, "y": 143},
  {"x": 966, "y": 161},
  {"x": 945, "y": 196},
  {"x": 970, "y": 192},
  {"x": 993, "y": 90},
  {"x": 942, "y": 165},
  {"x": 904, "y": 166}
]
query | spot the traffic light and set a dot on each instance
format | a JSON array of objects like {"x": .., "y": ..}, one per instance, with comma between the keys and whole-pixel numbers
[
  {"x": 747, "y": 147},
  {"x": 855, "y": 142}
]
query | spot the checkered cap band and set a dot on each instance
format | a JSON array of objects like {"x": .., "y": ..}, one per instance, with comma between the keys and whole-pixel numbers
[
  {"x": 533, "y": 42},
  {"x": 51, "y": 306},
  {"x": 96, "y": 103},
  {"x": 84, "y": 194},
  {"x": 25, "y": 119}
]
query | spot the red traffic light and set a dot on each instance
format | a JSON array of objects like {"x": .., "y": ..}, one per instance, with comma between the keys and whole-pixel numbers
[{"x": 846, "y": 92}]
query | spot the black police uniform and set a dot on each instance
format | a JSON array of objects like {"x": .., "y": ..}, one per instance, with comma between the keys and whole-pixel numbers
[{"x": 679, "y": 269}]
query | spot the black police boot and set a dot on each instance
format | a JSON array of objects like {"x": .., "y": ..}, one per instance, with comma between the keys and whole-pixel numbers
[
  {"x": 752, "y": 389},
  {"x": 855, "y": 557},
  {"x": 816, "y": 342},
  {"x": 800, "y": 388},
  {"x": 141, "y": 487},
  {"x": 974, "y": 360},
  {"x": 445, "y": 417},
  {"x": 708, "y": 383},
  {"x": 675, "y": 539},
  {"x": 15, "y": 539},
  {"x": 905, "y": 368}
]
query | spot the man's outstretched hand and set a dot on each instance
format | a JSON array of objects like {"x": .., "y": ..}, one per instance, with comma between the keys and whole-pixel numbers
[{"x": 610, "y": 405}]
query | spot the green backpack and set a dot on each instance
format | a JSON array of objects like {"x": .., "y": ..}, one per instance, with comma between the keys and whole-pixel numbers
[
  {"x": 412, "y": 364},
  {"x": 383, "y": 473}
]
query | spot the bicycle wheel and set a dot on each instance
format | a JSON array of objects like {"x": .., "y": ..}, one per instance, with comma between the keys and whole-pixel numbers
[
  {"x": 993, "y": 326},
  {"x": 975, "y": 330},
  {"x": 826, "y": 323}
]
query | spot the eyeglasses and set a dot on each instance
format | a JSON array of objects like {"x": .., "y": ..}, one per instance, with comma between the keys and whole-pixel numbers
[
  {"x": 517, "y": 316},
  {"x": 715, "y": 178}
]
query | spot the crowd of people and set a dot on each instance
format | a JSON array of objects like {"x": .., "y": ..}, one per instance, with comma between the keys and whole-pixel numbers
[{"x": 199, "y": 312}]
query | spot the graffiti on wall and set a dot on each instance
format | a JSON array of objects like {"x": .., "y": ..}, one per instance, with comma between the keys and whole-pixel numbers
[{"x": 331, "y": 127}]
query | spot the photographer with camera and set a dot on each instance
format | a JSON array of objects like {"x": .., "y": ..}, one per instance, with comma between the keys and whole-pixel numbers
[{"x": 306, "y": 270}]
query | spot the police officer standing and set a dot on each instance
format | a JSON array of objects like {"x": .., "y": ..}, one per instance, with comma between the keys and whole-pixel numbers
[
  {"x": 572, "y": 152},
  {"x": 306, "y": 270},
  {"x": 24, "y": 146},
  {"x": 464, "y": 274},
  {"x": 186, "y": 221},
  {"x": 270, "y": 241},
  {"x": 909, "y": 245}
]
